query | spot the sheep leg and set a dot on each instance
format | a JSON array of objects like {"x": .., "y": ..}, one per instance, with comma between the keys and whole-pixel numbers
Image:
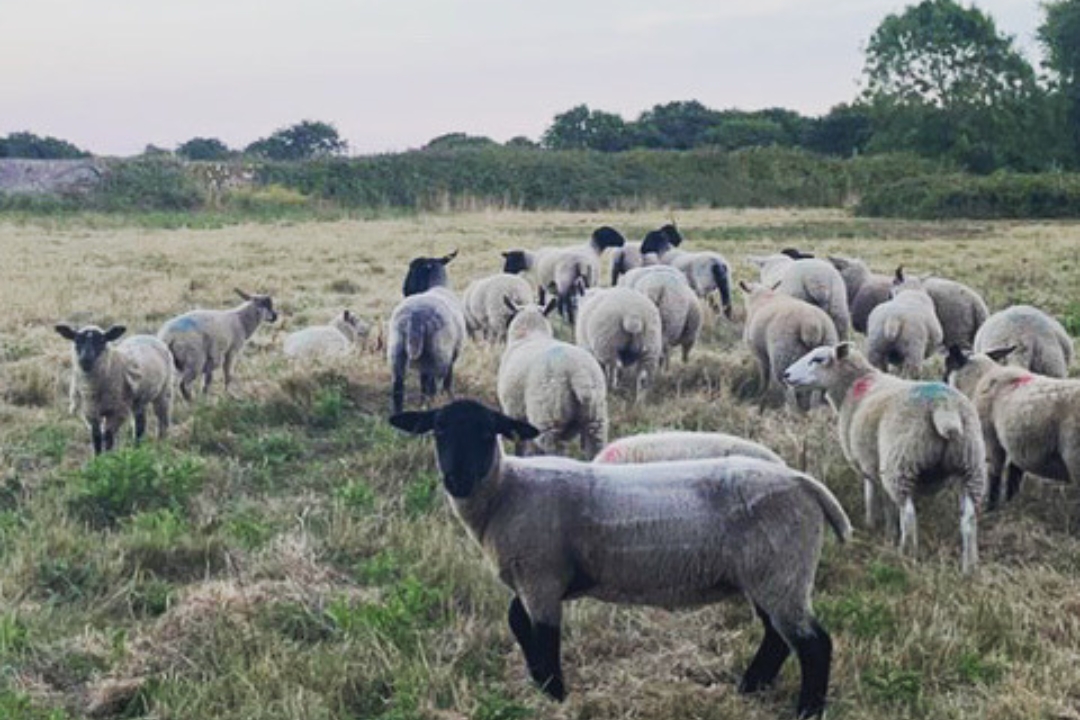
[
  {"x": 227, "y": 370},
  {"x": 968, "y": 534},
  {"x": 96, "y": 437},
  {"x": 208, "y": 377},
  {"x": 769, "y": 659},
  {"x": 813, "y": 647},
  {"x": 448, "y": 382},
  {"x": 185, "y": 382},
  {"x": 140, "y": 424},
  {"x": 870, "y": 500},
  {"x": 1013, "y": 477},
  {"x": 162, "y": 408},
  {"x": 540, "y": 642},
  {"x": 428, "y": 386},
  {"x": 909, "y": 530},
  {"x": 397, "y": 392}
]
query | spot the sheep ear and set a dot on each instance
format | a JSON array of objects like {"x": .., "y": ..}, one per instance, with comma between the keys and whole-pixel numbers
[
  {"x": 776, "y": 284},
  {"x": 445, "y": 260},
  {"x": 65, "y": 331},
  {"x": 552, "y": 304},
  {"x": 745, "y": 288},
  {"x": 243, "y": 295},
  {"x": 999, "y": 354},
  {"x": 511, "y": 305},
  {"x": 348, "y": 316},
  {"x": 114, "y": 332},
  {"x": 414, "y": 422},
  {"x": 505, "y": 253},
  {"x": 843, "y": 350},
  {"x": 514, "y": 429}
]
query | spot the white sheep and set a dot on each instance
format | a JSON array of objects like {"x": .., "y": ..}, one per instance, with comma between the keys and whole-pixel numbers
[
  {"x": 906, "y": 438},
  {"x": 338, "y": 339},
  {"x": 203, "y": 340},
  {"x": 486, "y": 313},
  {"x": 807, "y": 278},
  {"x": 865, "y": 289},
  {"x": 680, "y": 309},
  {"x": 961, "y": 310},
  {"x": 1042, "y": 345},
  {"x": 110, "y": 382},
  {"x": 554, "y": 386},
  {"x": 622, "y": 329},
  {"x": 682, "y": 445},
  {"x": 707, "y": 272},
  {"x": 427, "y": 330},
  {"x": 678, "y": 534},
  {"x": 905, "y": 330}
]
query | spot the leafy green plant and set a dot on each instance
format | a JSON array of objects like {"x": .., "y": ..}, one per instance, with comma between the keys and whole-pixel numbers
[
  {"x": 894, "y": 686},
  {"x": 357, "y": 495},
  {"x": 421, "y": 494}
]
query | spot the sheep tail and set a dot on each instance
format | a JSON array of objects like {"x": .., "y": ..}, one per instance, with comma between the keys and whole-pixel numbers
[
  {"x": 834, "y": 511},
  {"x": 891, "y": 328},
  {"x": 947, "y": 422},
  {"x": 633, "y": 324},
  {"x": 175, "y": 355},
  {"x": 414, "y": 340}
]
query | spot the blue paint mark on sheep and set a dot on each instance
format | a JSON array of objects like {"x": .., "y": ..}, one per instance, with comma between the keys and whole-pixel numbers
[
  {"x": 184, "y": 324},
  {"x": 930, "y": 392}
]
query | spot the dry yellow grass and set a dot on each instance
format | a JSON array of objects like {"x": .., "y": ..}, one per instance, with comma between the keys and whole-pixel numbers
[{"x": 274, "y": 531}]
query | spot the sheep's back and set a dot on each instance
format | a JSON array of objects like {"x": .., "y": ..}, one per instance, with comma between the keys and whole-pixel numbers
[{"x": 320, "y": 341}]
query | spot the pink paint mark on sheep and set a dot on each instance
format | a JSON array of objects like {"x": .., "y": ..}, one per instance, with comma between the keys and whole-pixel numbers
[
  {"x": 611, "y": 454},
  {"x": 862, "y": 387},
  {"x": 1022, "y": 380}
]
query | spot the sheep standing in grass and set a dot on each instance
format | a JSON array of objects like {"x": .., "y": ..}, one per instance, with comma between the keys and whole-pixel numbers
[
  {"x": 630, "y": 257},
  {"x": 486, "y": 312},
  {"x": 781, "y": 329},
  {"x": 203, "y": 340},
  {"x": 621, "y": 328},
  {"x": 682, "y": 445},
  {"x": 808, "y": 278},
  {"x": 678, "y": 534},
  {"x": 427, "y": 330},
  {"x": 865, "y": 289},
  {"x": 680, "y": 309},
  {"x": 335, "y": 340},
  {"x": 110, "y": 382},
  {"x": 961, "y": 310},
  {"x": 1030, "y": 423},
  {"x": 905, "y": 330},
  {"x": 554, "y": 386},
  {"x": 906, "y": 438},
  {"x": 1042, "y": 345},
  {"x": 707, "y": 272}
]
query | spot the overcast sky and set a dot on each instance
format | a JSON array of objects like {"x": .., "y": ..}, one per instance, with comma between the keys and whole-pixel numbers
[{"x": 112, "y": 76}]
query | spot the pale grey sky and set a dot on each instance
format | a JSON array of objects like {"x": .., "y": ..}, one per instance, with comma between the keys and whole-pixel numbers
[{"x": 114, "y": 75}]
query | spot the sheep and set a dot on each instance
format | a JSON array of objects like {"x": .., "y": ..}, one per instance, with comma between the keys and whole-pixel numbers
[
  {"x": 1030, "y": 423},
  {"x": 865, "y": 289},
  {"x": 779, "y": 330},
  {"x": 680, "y": 309},
  {"x": 486, "y": 313},
  {"x": 707, "y": 272},
  {"x": 1042, "y": 345},
  {"x": 905, "y": 330},
  {"x": 110, "y": 382},
  {"x": 903, "y": 437},
  {"x": 961, "y": 310},
  {"x": 427, "y": 329},
  {"x": 327, "y": 341},
  {"x": 203, "y": 340},
  {"x": 554, "y": 386},
  {"x": 630, "y": 257},
  {"x": 682, "y": 445},
  {"x": 621, "y": 328},
  {"x": 678, "y": 534},
  {"x": 565, "y": 271},
  {"x": 808, "y": 278}
]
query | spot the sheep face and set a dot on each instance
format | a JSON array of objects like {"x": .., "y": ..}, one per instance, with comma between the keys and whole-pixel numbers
[
  {"x": 607, "y": 237},
  {"x": 818, "y": 368},
  {"x": 264, "y": 303},
  {"x": 515, "y": 262},
  {"x": 529, "y": 320},
  {"x": 658, "y": 242},
  {"x": 465, "y": 440},
  {"x": 90, "y": 342},
  {"x": 964, "y": 369},
  {"x": 426, "y": 273}
]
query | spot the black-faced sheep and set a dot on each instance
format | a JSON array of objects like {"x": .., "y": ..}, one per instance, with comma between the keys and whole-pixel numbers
[
  {"x": 707, "y": 272},
  {"x": 630, "y": 257}
]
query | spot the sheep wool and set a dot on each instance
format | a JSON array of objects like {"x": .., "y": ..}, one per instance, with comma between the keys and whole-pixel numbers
[
  {"x": 622, "y": 329},
  {"x": 905, "y": 330},
  {"x": 682, "y": 445},
  {"x": 680, "y": 309},
  {"x": 486, "y": 313},
  {"x": 1042, "y": 345},
  {"x": 865, "y": 289},
  {"x": 336, "y": 340},
  {"x": 810, "y": 279}
]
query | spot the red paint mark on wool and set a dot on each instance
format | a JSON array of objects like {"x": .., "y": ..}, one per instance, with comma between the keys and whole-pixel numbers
[
  {"x": 1022, "y": 380},
  {"x": 862, "y": 386},
  {"x": 611, "y": 454}
]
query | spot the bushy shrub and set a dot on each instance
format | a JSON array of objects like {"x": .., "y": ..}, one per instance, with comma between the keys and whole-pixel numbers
[
  {"x": 999, "y": 196},
  {"x": 147, "y": 183}
]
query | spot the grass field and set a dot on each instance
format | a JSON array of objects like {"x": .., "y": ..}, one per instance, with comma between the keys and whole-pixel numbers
[{"x": 287, "y": 554}]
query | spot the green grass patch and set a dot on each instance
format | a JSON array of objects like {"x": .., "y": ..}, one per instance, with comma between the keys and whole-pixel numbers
[{"x": 406, "y": 609}]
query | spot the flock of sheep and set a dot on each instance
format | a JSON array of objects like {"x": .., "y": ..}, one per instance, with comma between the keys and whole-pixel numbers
[{"x": 668, "y": 518}]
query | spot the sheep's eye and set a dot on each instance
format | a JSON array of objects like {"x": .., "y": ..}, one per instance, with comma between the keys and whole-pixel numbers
[{"x": 817, "y": 360}]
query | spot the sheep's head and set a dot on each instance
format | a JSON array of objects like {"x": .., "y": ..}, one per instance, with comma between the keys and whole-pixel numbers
[
  {"x": 90, "y": 342},
  {"x": 516, "y": 261},
  {"x": 529, "y": 319},
  {"x": 264, "y": 303},
  {"x": 964, "y": 369},
  {"x": 672, "y": 234},
  {"x": 607, "y": 237},
  {"x": 796, "y": 254},
  {"x": 658, "y": 242},
  {"x": 466, "y": 434},
  {"x": 426, "y": 273},
  {"x": 822, "y": 367}
]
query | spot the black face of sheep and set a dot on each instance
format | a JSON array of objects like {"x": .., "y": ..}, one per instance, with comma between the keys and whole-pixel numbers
[
  {"x": 514, "y": 262},
  {"x": 607, "y": 237},
  {"x": 265, "y": 303},
  {"x": 465, "y": 437},
  {"x": 956, "y": 359},
  {"x": 656, "y": 242},
  {"x": 672, "y": 234},
  {"x": 426, "y": 273},
  {"x": 90, "y": 342}
]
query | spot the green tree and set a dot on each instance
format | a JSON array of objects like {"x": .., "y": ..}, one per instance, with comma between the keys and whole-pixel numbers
[
  {"x": 580, "y": 128},
  {"x": 746, "y": 131},
  {"x": 676, "y": 125},
  {"x": 1060, "y": 36},
  {"x": 459, "y": 141},
  {"x": 843, "y": 131},
  {"x": 303, "y": 141},
  {"x": 200, "y": 148},
  {"x": 29, "y": 145}
]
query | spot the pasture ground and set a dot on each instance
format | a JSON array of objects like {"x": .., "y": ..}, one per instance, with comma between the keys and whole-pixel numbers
[{"x": 287, "y": 554}]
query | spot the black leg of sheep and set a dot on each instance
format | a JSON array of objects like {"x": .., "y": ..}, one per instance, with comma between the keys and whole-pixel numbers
[
  {"x": 769, "y": 659},
  {"x": 541, "y": 645}
]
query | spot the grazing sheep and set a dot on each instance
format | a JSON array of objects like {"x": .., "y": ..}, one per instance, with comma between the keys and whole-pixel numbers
[
  {"x": 865, "y": 289},
  {"x": 110, "y": 382},
  {"x": 203, "y": 340},
  {"x": 680, "y": 309},
  {"x": 427, "y": 329},
  {"x": 335, "y": 340},
  {"x": 678, "y": 534},
  {"x": 682, "y": 445},
  {"x": 621, "y": 328},
  {"x": 810, "y": 279},
  {"x": 781, "y": 329},
  {"x": 630, "y": 257},
  {"x": 1042, "y": 345},
  {"x": 707, "y": 272},
  {"x": 905, "y": 437},
  {"x": 554, "y": 386},
  {"x": 905, "y": 330},
  {"x": 486, "y": 312},
  {"x": 564, "y": 271},
  {"x": 961, "y": 310},
  {"x": 1030, "y": 423}
]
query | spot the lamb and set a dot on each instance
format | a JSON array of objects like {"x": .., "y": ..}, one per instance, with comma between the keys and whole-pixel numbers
[
  {"x": 335, "y": 340},
  {"x": 1030, "y": 423},
  {"x": 680, "y": 309},
  {"x": 621, "y": 328},
  {"x": 630, "y": 257},
  {"x": 109, "y": 383},
  {"x": 565, "y": 271},
  {"x": 808, "y": 278},
  {"x": 677, "y": 534},
  {"x": 903, "y": 437},
  {"x": 427, "y": 329},
  {"x": 203, "y": 340},
  {"x": 707, "y": 272},
  {"x": 865, "y": 289},
  {"x": 779, "y": 330},
  {"x": 1042, "y": 345},
  {"x": 554, "y": 386},
  {"x": 682, "y": 445},
  {"x": 905, "y": 330},
  {"x": 486, "y": 312}
]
